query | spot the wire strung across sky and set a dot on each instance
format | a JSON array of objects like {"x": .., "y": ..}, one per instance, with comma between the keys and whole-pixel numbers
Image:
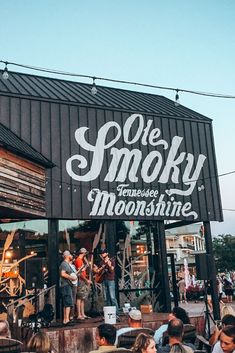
[
  {"x": 64, "y": 73},
  {"x": 76, "y": 185},
  {"x": 177, "y": 90}
]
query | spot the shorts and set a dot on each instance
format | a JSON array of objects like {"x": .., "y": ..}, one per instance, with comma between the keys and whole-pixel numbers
[
  {"x": 228, "y": 291},
  {"x": 67, "y": 296},
  {"x": 82, "y": 291}
]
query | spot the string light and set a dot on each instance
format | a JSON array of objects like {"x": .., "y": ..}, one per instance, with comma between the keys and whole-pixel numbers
[
  {"x": 77, "y": 186},
  {"x": 64, "y": 73},
  {"x": 94, "y": 89},
  {"x": 200, "y": 188},
  {"x": 5, "y": 74},
  {"x": 177, "y": 97}
]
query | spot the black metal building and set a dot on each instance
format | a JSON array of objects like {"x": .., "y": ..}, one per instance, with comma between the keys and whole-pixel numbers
[{"x": 118, "y": 154}]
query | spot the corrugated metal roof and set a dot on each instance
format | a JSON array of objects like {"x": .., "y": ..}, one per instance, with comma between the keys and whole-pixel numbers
[
  {"x": 15, "y": 144},
  {"x": 51, "y": 89}
]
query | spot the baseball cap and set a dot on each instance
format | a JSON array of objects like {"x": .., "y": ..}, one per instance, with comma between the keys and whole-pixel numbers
[
  {"x": 103, "y": 251},
  {"x": 135, "y": 315},
  {"x": 66, "y": 253},
  {"x": 83, "y": 251}
]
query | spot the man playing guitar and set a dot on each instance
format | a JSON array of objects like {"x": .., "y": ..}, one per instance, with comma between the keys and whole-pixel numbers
[
  {"x": 81, "y": 263},
  {"x": 105, "y": 273}
]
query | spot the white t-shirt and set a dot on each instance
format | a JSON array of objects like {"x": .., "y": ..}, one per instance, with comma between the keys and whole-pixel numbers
[
  {"x": 217, "y": 348},
  {"x": 159, "y": 333}
]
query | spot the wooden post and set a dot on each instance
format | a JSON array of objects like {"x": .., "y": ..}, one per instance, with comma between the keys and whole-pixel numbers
[
  {"x": 214, "y": 290},
  {"x": 161, "y": 266},
  {"x": 53, "y": 259},
  {"x": 22, "y": 253}
]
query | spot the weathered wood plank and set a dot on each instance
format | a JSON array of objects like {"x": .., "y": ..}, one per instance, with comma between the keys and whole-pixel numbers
[
  {"x": 21, "y": 161},
  {"x": 26, "y": 177},
  {"x": 24, "y": 209},
  {"x": 20, "y": 188},
  {"x": 22, "y": 184},
  {"x": 21, "y": 167},
  {"x": 21, "y": 200}
]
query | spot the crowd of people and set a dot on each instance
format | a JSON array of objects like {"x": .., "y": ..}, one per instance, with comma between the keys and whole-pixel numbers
[
  {"x": 178, "y": 335},
  {"x": 195, "y": 289},
  {"x": 168, "y": 338}
]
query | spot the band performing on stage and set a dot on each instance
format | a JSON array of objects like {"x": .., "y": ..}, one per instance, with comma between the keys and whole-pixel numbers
[{"x": 77, "y": 275}]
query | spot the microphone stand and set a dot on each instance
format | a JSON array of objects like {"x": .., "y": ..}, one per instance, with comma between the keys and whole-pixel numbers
[{"x": 35, "y": 326}]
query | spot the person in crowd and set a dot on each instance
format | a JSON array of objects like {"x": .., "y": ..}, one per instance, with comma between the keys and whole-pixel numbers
[
  {"x": 177, "y": 313},
  {"x": 227, "y": 320},
  {"x": 7, "y": 344},
  {"x": 66, "y": 285},
  {"x": 105, "y": 338},
  {"x": 40, "y": 343},
  {"x": 175, "y": 332},
  {"x": 219, "y": 287},
  {"x": 106, "y": 273},
  {"x": 208, "y": 293},
  {"x": 144, "y": 344},
  {"x": 4, "y": 329},
  {"x": 226, "y": 342},
  {"x": 74, "y": 288},
  {"x": 134, "y": 323},
  {"x": 227, "y": 309},
  {"x": 228, "y": 289},
  {"x": 182, "y": 290},
  {"x": 81, "y": 264}
]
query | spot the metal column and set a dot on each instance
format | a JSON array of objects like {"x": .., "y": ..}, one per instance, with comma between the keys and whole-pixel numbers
[
  {"x": 161, "y": 266},
  {"x": 53, "y": 259},
  {"x": 111, "y": 240},
  {"x": 209, "y": 250}
]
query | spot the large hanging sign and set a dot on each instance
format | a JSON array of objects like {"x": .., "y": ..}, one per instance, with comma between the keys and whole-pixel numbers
[{"x": 143, "y": 175}]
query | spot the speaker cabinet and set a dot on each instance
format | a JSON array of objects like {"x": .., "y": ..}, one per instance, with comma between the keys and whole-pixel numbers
[
  {"x": 203, "y": 266},
  {"x": 34, "y": 273}
]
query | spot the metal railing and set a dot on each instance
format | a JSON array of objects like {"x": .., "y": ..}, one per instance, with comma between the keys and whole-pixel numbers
[{"x": 43, "y": 296}]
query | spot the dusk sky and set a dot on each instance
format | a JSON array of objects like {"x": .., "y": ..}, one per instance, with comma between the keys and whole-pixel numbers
[{"x": 181, "y": 44}]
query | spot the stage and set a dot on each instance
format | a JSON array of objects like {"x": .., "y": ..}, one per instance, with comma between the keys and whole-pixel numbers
[{"x": 80, "y": 338}]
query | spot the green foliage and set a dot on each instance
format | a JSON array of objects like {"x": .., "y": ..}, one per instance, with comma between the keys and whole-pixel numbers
[{"x": 224, "y": 252}]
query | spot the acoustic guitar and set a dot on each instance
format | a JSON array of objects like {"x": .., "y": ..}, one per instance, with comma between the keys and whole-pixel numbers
[{"x": 99, "y": 276}]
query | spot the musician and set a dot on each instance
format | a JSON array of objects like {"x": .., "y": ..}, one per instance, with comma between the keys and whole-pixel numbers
[
  {"x": 81, "y": 263},
  {"x": 65, "y": 286},
  {"x": 74, "y": 288},
  {"x": 107, "y": 267}
]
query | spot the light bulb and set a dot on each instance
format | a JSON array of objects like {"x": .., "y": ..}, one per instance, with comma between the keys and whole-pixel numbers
[
  {"x": 94, "y": 89},
  {"x": 5, "y": 74},
  {"x": 177, "y": 97}
]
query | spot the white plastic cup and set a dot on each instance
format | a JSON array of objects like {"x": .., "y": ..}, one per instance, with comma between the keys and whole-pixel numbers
[{"x": 110, "y": 316}]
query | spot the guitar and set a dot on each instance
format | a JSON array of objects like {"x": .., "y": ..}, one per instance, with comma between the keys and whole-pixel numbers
[
  {"x": 76, "y": 274},
  {"x": 100, "y": 272}
]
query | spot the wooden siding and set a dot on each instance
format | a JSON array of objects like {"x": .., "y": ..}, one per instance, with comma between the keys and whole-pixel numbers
[{"x": 22, "y": 185}]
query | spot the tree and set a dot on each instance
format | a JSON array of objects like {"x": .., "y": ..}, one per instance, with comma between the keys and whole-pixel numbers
[{"x": 224, "y": 252}]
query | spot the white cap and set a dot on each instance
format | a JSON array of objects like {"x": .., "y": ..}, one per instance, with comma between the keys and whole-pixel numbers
[
  {"x": 135, "y": 315},
  {"x": 66, "y": 253}
]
